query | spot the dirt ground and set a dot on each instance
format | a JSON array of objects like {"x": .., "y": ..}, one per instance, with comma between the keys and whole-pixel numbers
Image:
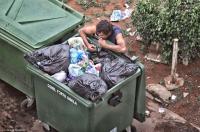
[{"x": 13, "y": 118}]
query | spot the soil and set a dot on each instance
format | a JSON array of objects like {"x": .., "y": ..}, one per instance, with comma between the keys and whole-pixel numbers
[
  {"x": 175, "y": 127},
  {"x": 13, "y": 118}
]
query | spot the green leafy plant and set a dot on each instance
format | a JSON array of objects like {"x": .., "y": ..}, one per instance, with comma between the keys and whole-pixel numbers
[
  {"x": 106, "y": 1},
  {"x": 125, "y": 32},
  {"x": 129, "y": 1},
  {"x": 99, "y": 14},
  {"x": 84, "y": 3},
  {"x": 88, "y": 19},
  {"x": 89, "y": 3},
  {"x": 162, "y": 21}
]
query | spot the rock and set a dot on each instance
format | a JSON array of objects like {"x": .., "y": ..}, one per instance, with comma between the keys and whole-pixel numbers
[
  {"x": 198, "y": 128},
  {"x": 6, "y": 114},
  {"x": 148, "y": 95},
  {"x": 158, "y": 100},
  {"x": 152, "y": 106},
  {"x": 159, "y": 91},
  {"x": 156, "y": 119},
  {"x": 37, "y": 126},
  {"x": 168, "y": 115},
  {"x": 155, "y": 58},
  {"x": 161, "y": 122},
  {"x": 176, "y": 83},
  {"x": 185, "y": 94},
  {"x": 173, "y": 117}
]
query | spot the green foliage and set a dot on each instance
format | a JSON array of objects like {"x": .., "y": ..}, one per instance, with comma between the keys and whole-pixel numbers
[
  {"x": 125, "y": 33},
  {"x": 88, "y": 19},
  {"x": 89, "y": 3},
  {"x": 129, "y": 1},
  {"x": 84, "y": 3},
  {"x": 106, "y": 1},
  {"x": 99, "y": 14},
  {"x": 162, "y": 21}
]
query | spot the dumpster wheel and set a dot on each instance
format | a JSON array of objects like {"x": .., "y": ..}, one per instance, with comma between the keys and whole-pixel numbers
[
  {"x": 27, "y": 104},
  {"x": 48, "y": 128}
]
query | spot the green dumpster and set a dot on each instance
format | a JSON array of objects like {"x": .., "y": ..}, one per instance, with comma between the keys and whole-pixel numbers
[
  {"x": 26, "y": 25},
  {"x": 60, "y": 107}
]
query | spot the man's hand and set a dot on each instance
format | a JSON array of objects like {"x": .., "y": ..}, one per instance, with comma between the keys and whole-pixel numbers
[
  {"x": 102, "y": 42},
  {"x": 91, "y": 47}
]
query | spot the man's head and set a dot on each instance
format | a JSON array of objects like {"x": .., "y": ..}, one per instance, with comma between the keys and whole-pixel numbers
[{"x": 104, "y": 29}]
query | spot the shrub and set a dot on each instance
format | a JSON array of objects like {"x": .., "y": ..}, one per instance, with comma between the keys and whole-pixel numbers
[
  {"x": 89, "y": 3},
  {"x": 163, "y": 20}
]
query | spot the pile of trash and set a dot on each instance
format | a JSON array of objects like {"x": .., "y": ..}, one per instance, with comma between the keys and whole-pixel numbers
[{"x": 89, "y": 74}]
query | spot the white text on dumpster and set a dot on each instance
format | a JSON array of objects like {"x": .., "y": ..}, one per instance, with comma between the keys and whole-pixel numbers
[{"x": 61, "y": 94}]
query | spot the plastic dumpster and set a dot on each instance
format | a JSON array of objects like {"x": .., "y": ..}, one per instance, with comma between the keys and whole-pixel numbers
[
  {"x": 61, "y": 108},
  {"x": 26, "y": 25}
]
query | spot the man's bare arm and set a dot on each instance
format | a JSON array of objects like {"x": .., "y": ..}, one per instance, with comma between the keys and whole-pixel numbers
[
  {"x": 87, "y": 30},
  {"x": 120, "y": 46}
]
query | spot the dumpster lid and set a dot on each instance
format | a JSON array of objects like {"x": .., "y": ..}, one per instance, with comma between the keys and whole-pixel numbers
[{"x": 37, "y": 22}]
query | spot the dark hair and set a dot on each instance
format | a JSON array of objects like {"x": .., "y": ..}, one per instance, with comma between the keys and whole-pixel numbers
[{"x": 104, "y": 26}]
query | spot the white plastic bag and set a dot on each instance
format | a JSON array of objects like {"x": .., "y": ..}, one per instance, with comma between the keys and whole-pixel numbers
[{"x": 60, "y": 76}]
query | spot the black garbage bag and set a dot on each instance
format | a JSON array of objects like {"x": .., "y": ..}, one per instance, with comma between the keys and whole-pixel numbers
[
  {"x": 101, "y": 56},
  {"x": 88, "y": 86},
  {"x": 51, "y": 59},
  {"x": 114, "y": 71}
]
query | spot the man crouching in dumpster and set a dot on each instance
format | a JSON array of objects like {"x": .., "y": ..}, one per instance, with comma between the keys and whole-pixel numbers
[{"x": 104, "y": 30}]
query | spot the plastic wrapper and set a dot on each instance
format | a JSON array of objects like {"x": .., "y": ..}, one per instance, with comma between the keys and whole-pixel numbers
[
  {"x": 88, "y": 86},
  {"x": 114, "y": 71},
  {"x": 51, "y": 59}
]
